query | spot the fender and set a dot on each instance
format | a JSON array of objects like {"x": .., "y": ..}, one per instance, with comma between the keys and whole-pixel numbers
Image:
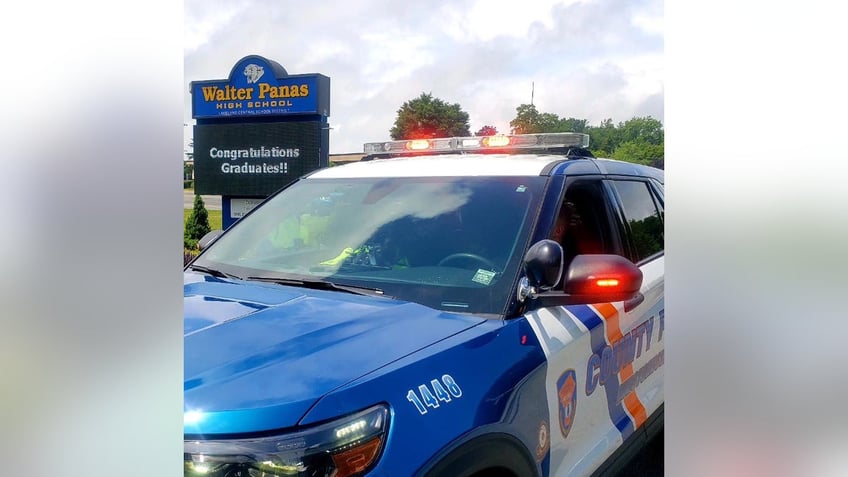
[{"x": 504, "y": 454}]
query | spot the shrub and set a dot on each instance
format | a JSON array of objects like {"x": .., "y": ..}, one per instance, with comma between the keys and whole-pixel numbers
[
  {"x": 188, "y": 255},
  {"x": 197, "y": 224}
]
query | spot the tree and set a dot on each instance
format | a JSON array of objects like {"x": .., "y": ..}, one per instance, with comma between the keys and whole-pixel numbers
[
  {"x": 487, "y": 131},
  {"x": 646, "y": 129},
  {"x": 640, "y": 152},
  {"x": 197, "y": 224},
  {"x": 189, "y": 153},
  {"x": 549, "y": 123},
  {"x": 527, "y": 120},
  {"x": 573, "y": 125},
  {"x": 427, "y": 117},
  {"x": 603, "y": 138},
  {"x": 639, "y": 139}
]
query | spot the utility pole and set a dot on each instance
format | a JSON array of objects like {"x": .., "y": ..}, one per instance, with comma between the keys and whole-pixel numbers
[{"x": 532, "y": 92}]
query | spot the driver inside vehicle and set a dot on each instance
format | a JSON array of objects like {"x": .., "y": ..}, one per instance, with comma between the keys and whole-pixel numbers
[
  {"x": 381, "y": 249},
  {"x": 572, "y": 233},
  {"x": 566, "y": 219},
  {"x": 418, "y": 241}
]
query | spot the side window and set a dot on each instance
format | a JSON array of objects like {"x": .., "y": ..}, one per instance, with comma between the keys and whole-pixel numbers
[
  {"x": 643, "y": 218},
  {"x": 583, "y": 225}
]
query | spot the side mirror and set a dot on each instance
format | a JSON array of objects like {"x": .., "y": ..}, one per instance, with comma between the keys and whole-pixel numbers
[
  {"x": 589, "y": 278},
  {"x": 543, "y": 264},
  {"x": 602, "y": 278},
  {"x": 208, "y": 238}
]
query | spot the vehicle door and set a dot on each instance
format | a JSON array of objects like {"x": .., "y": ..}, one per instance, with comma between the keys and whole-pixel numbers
[
  {"x": 641, "y": 204},
  {"x": 599, "y": 356}
]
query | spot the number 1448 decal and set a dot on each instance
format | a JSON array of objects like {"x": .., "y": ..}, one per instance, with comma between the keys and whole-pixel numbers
[{"x": 444, "y": 390}]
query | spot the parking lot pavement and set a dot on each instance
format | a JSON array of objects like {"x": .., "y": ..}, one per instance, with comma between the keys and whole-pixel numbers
[{"x": 211, "y": 202}]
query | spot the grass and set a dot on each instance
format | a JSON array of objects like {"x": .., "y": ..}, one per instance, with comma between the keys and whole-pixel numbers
[{"x": 215, "y": 220}]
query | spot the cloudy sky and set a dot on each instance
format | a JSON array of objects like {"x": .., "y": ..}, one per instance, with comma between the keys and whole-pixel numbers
[{"x": 590, "y": 59}]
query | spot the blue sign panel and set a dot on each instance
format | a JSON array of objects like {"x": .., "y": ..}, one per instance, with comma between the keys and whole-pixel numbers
[{"x": 259, "y": 87}]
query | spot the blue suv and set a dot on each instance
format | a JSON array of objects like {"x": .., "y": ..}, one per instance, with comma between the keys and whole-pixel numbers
[{"x": 477, "y": 306}]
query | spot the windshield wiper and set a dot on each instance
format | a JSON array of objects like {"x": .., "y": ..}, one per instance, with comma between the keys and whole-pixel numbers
[
  {"x": 214, "y": 272},
  {"x": 321, "y": 285}
]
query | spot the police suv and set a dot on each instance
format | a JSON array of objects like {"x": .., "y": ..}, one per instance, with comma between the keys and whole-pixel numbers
[{"x": 474, "y": 306}]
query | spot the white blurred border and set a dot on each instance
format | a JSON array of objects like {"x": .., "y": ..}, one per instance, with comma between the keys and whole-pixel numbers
[
  {"x": 91, "y": 341},
  {"x": 756, "y": 234},
  {"x": 91, "y": 348}
]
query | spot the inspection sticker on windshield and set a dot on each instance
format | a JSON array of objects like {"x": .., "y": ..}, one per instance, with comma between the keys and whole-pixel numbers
[{"x": 483, "y": 276}]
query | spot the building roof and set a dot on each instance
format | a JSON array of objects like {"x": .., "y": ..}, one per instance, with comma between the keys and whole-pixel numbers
[{"x": 346, "y": 157}]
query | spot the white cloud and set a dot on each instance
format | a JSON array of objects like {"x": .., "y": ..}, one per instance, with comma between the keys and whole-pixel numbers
[
  {"x": 325, "y": 49},
  {"x": 394, "y": 55},
  {"x": 487, "y": 19},
  {"x": 653, "y": 24},
  {"x": 644, "y": 76},
  {"x": 210, "y": 18},
  {"x": 589, "y": 59}
]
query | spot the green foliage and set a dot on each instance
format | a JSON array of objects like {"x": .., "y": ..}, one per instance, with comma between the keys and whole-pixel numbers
[
  {"x": 647, "y": 235},
  {"x": 573, "y": 125},
  {"x": 487, "y": 131},
  {"x": 190, "y": 153},
  {"x": 189, "y": 254},
  {"x": 639, "y": 151},
  {"x": 528, "y": 120},
  {"x": 197, "y": 224},
  {"x": 215, "y": 218},
  {"x": 426, "y": 117},
  {"x": 602, "y": 138},
  {"x": 645, "y": 129},
  {"x": 639, "y": 139}
]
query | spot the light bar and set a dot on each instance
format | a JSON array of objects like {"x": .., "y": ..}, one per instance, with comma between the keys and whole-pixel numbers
[
  {"x": 418, "y": 144},
  {"x": 480, "y": 143},
  {"x": 495, "y": 141}
]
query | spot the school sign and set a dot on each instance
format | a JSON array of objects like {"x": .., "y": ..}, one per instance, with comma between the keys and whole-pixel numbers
[{"x": 257, "y": 131}]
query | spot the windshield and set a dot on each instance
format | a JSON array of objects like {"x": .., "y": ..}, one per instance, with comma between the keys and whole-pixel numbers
[{"x": 451, "y": 243}]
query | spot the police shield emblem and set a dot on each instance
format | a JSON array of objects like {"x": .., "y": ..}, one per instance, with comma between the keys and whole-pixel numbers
[{"x": 567, "y": 395}]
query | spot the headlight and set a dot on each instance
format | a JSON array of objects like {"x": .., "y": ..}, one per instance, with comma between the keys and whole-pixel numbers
[{"x": 339, "y": 448}]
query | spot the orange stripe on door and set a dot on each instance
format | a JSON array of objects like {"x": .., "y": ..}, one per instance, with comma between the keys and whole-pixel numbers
[
  {"x": 613, "y": 331},
  {"x": 635, "y": 408}
]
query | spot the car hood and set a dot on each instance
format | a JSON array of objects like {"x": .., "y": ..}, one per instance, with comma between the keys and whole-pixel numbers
[{"x": 258, "y": 355}]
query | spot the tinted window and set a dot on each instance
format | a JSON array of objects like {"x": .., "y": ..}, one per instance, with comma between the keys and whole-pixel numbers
[
  {"x": 582, "y": 226},
  {"x": 643, "y": 218}
]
